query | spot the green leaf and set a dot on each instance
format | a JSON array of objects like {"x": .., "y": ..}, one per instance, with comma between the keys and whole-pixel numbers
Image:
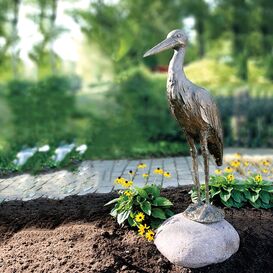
[
  {"x": 229, "y": 203},
  {"x": 254, "y": 196},
  {"x": 142, "y": 193},
  {"x": 131, "y": 221},
  {"x": 237, "y": 205},
  {"x": 247, "y": 195},
  {"x": 237, "y": 196},
  {"x": 256, "y": 204},
  {"x": 114, "y": 212},
  {"x": 265, "y": 197},
  {"x": 152, "y": 190},
  {"x": 158, "y": 213},
  {"x": 155, "y": 223},
  {"x": 169, "y": 213},
  {"x": 229, "y": 189},
  {"x": 268, "y": 188},
  {"x": 194, "y": 195},
  {"x": 241, "y": 187},
  {"x": 225, "y": 195},
  {"x": 266, "y": 206},
  {"x": 256, "y": 189},
  {"x": 112, "y": 201},
  {"x": 146, "y": 207},
  {"x": 140, "y": 199},
  {"x": 122, "y": 216},
  {"x": 162, "y": 201},
  {"x": 214, "y": 192}
]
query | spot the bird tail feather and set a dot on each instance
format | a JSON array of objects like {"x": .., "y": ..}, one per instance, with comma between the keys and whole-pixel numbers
[{"x": 217, "y": 151}]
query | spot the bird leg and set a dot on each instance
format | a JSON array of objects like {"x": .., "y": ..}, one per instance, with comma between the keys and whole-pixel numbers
[
  {"x": 194, "y": 156},
  {"x": 205, "y": 153},
  {"x": 199, "y": 212}
]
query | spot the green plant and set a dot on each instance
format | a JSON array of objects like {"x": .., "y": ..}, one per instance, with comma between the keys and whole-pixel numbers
[
  {"x": 232, "y": 192},
  {"x": 50, "y": 104},
  {"x": 141, "y": 207}
]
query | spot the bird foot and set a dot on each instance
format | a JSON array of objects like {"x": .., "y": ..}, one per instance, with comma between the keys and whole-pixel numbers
[{"x": 204, "y": 213}]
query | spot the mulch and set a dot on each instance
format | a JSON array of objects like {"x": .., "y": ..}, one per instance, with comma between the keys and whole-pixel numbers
[{"x": 78, "y": 235}]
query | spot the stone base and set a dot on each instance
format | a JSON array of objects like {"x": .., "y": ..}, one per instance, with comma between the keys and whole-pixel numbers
[
  {"x": 191, "y": 244},
  {"x": 204, "y": 213}
]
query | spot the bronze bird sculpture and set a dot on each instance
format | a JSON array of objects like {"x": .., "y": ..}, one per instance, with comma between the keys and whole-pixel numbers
[{"x": 197, "y": 114}]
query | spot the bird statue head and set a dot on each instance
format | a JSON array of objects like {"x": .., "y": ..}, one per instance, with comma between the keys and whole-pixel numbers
[{"x": 175, "y": 39}]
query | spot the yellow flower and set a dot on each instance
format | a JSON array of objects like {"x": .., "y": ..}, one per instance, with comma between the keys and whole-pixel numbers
[
  {"x": 142, "y": 229},
  {"x": 218, "y": 172},
  {"x": 139, "y": 217},
  {"x": 127, "y": 183},
  {"x": 237, "y": 155},
  {"x": 235, "y": 163},
  {"x": 258, "y": 178},
  {"x": 141, "y": 165},
  {"x": 128, "y": 193},
  {"x": 119, "y": 180},
  {"x": 266, "y": 162},
  {"x": 167, "y": 174},
  {"x": 265, "y": 171},
  {"x": 230, "y": 177},
  {"x": 131, "y": 172},
  {"x": 158, "y": 171},
  {"x": 145, "y": 175},
  {"x": 246, "y": 163},
  {"x": 150, "y": 235},
  {"x": 228, "y": 170}
]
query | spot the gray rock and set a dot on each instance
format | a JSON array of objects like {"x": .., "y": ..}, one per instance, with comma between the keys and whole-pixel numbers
[{"x": 192, "y": 244}]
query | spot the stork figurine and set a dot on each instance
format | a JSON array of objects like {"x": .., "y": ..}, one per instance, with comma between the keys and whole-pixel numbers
[{"x": 197, "y": 114}]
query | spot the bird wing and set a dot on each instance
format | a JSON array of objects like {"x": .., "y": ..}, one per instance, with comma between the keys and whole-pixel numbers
[
  {"x": 210, "y": 114},
  {"x": 208, "y": 111}
]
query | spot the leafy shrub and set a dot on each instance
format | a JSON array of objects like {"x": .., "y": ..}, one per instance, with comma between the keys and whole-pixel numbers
[
  {"x": 41, "y": 110},
  {"x": 238, "y": 193},
  {"x": 141, "y": 100},
  {"x": 141, "y": 207}
]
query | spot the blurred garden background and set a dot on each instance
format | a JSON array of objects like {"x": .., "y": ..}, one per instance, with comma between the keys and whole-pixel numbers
[{"x": 72, "y": 76}]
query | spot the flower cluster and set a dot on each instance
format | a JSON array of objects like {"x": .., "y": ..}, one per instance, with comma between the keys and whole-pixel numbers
[
  {"x": 243, "y": 167},
  {"x": 145, "y": 205},
  {"x": 143, "y": 229},
  {"x": 126, "y": 183},
  {"x": 160, "y": 171}
]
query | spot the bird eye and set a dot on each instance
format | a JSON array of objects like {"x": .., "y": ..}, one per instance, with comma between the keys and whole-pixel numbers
[{"x": 178, "y": 35}]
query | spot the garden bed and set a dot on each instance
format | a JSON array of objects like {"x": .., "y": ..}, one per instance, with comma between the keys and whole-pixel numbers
[{"x": 77, "y": 234}]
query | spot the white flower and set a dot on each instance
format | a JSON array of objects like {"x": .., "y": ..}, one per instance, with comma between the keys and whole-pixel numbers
[
  {"x": 44, "y": 148},
  {"x": 23, "y": 156},
  {"x": 62, "y": 151},
  {"x": 81, "y": 149}
]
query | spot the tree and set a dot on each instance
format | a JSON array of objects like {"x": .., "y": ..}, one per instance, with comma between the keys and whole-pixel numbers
[
  {"x": 265, "y": 27},
  {"x": 126, "y": 29},
  {"x": 199, "y": 10},
  {"x": 9, "y": 31},
  {"x": 43, "y": 53}
]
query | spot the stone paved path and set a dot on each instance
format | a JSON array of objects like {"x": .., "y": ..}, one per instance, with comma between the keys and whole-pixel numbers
[{"x": 98, "y": 176}]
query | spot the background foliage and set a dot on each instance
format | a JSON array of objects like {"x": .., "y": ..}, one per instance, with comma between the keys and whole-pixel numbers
[{"x": 126, "y": 114}]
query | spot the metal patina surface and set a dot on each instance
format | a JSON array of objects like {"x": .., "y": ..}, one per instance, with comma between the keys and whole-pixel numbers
[{"x": 197, "y": 114}]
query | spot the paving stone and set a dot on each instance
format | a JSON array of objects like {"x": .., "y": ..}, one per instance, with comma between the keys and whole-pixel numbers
[
  {"x": 104, "y": 189},
  {"x": 7, "y": 183},
  {"x": 99, "y": 175}
]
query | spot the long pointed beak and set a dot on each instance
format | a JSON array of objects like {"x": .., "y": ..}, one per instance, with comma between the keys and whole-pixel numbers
[{"x": 166, "y": 44}]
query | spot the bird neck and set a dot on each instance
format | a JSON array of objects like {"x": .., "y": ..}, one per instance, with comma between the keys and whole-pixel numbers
[{"x": 176, "y": 63}]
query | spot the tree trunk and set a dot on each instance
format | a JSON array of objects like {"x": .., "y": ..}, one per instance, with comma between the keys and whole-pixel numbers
[
  {"x": 14, "y": 38},
  {"x": 52, "y": 38},
  {"x": 200, "y": 36}
]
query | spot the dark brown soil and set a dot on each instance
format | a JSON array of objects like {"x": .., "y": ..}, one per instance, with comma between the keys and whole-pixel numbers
[{"x": 77, "y": 235}]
